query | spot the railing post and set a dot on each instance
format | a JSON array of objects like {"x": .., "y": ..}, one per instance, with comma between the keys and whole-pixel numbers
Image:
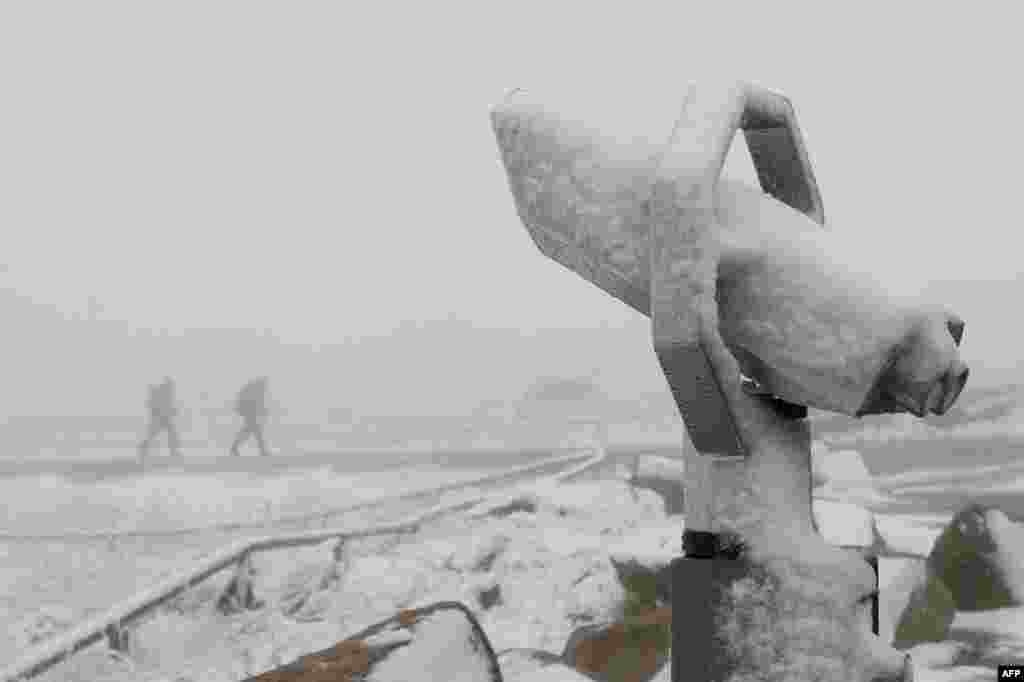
[
  {"x": 872, "y": 559},
  {"x": 238, "y": 595},
  {"x": 119, "y": 638},
  {"x": 338, "y": 567}
]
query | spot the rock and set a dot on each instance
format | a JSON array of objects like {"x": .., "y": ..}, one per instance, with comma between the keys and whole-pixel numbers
[
  {"x": 595, "y": 597},
  {"x": 840, "y": 467},
  {"x": 842, "y": 476},
  {"x": 670, "y": 491},
  {"x": 846, "y": 524},
  {"x": 645, "y": 554},
  {"x": 897, "y": 579},
  {"x": 489, "y": 597},
  {"x": 669, "y": 468},
  {"x": 937, "y": 654},
  {"x": 908, "y": 534},
  {"x": 536, "y": 665},
  {"x": 634, "y": 650},
  {"x": 484, "y": 591},
  {"x": 442, "y": 641},
  {"x": 651, "y": 569},
  {"x": 928, "y": 613},
  {"x": 980, "y": 558},
  {"x": 663, "y": 476}
]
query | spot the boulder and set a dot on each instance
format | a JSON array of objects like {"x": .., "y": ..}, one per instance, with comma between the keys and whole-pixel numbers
[
  {"x": 646, "y": 553},
  {"x": 442, "y": 641},
  {"x": 842, "y": 475},
  {"x": 897, "y": 578},
  {"x": 662, "y": 475},
  {"x": 846, "y": 524},
  {"x": 840, "y": 467},
  {"x": 979, "y": 556},
  {"x": 536, "y": 665},
  {"x": 937, "y": 654},
  {"x": 928, "y": 614},
  {"x": 906, "y": 534},
  {"x": 635, "y": 649},
  {"x": 915, "y": 607},
  {"x": 650, "y": 569}
]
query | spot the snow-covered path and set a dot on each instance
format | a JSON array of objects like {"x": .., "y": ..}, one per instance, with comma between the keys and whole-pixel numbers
[
  {"x": 50, "y": 585},
  {"x": 533, "y": 571}
]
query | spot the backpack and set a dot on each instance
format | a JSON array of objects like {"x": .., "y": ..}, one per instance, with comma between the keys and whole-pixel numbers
[
  {"x": 250, "y": 399},
  {"x": 161, "y": 399}
]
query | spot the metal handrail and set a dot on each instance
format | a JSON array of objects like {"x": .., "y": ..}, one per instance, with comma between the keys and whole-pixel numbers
[
  {"x": 50, "y": 653},
  {"x": 298, "y": 518}
]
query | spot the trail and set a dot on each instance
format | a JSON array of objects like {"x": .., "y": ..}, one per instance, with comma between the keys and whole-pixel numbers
[{"x": 80, "y": 574}]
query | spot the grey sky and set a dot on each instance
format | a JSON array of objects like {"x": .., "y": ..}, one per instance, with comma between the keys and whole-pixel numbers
[{"x": 327, "y": 171}]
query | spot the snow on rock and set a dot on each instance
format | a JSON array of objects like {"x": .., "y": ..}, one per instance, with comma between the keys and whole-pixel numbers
[
  {"x": 914, "y": 605},
  {"x": 649, "y": 553},
  {"x": 897, "y": 578},
  {"x": 528, "y": 666},
  {"x": 845, "y": 524},
  {"x": 906, "y": 535},
  {"x": 937, "y": 654},
  {"x": 601, "y": 650},
  {"x": 959, "y": 674},
  {"x": 444, "y": 648},
  {"x": 842, "y": 475},
  {"x": 839, "y": 466},
  {"x": 669, "y": 468},
  {"x": 535, "y": 568},
  {"x": 664, "y": 476},
  {"x": 1000, "y": 631},
  {"x": 980, "y": 559},
  {"x": 1008, "y": 538},
  {"x": 597, "y": 596}
]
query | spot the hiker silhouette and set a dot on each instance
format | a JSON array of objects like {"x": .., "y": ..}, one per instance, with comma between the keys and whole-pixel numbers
[
  {"x": 251, "y": 406},
  {"x": 162, "y": 407}
]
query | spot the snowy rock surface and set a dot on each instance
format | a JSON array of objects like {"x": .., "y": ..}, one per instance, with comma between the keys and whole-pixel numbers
[
  {"x": 845, "y": 524},
  {"x": 535, "y": 567}
]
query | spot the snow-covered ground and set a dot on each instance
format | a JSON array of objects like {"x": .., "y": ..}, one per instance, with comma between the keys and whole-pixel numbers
[
  {"x": 547, "y": 568},
  {"x": 45, "y": 586},
  {"x": 167, "y": 502}
]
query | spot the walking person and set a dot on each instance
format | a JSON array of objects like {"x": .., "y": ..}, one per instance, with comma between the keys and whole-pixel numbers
[
  {"x": 251, "y": 406},
  {"x": 163, "y": 408}
]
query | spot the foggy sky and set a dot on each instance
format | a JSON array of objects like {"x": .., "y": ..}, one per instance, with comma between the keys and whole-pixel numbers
[{"x": 327, "y": 172}]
